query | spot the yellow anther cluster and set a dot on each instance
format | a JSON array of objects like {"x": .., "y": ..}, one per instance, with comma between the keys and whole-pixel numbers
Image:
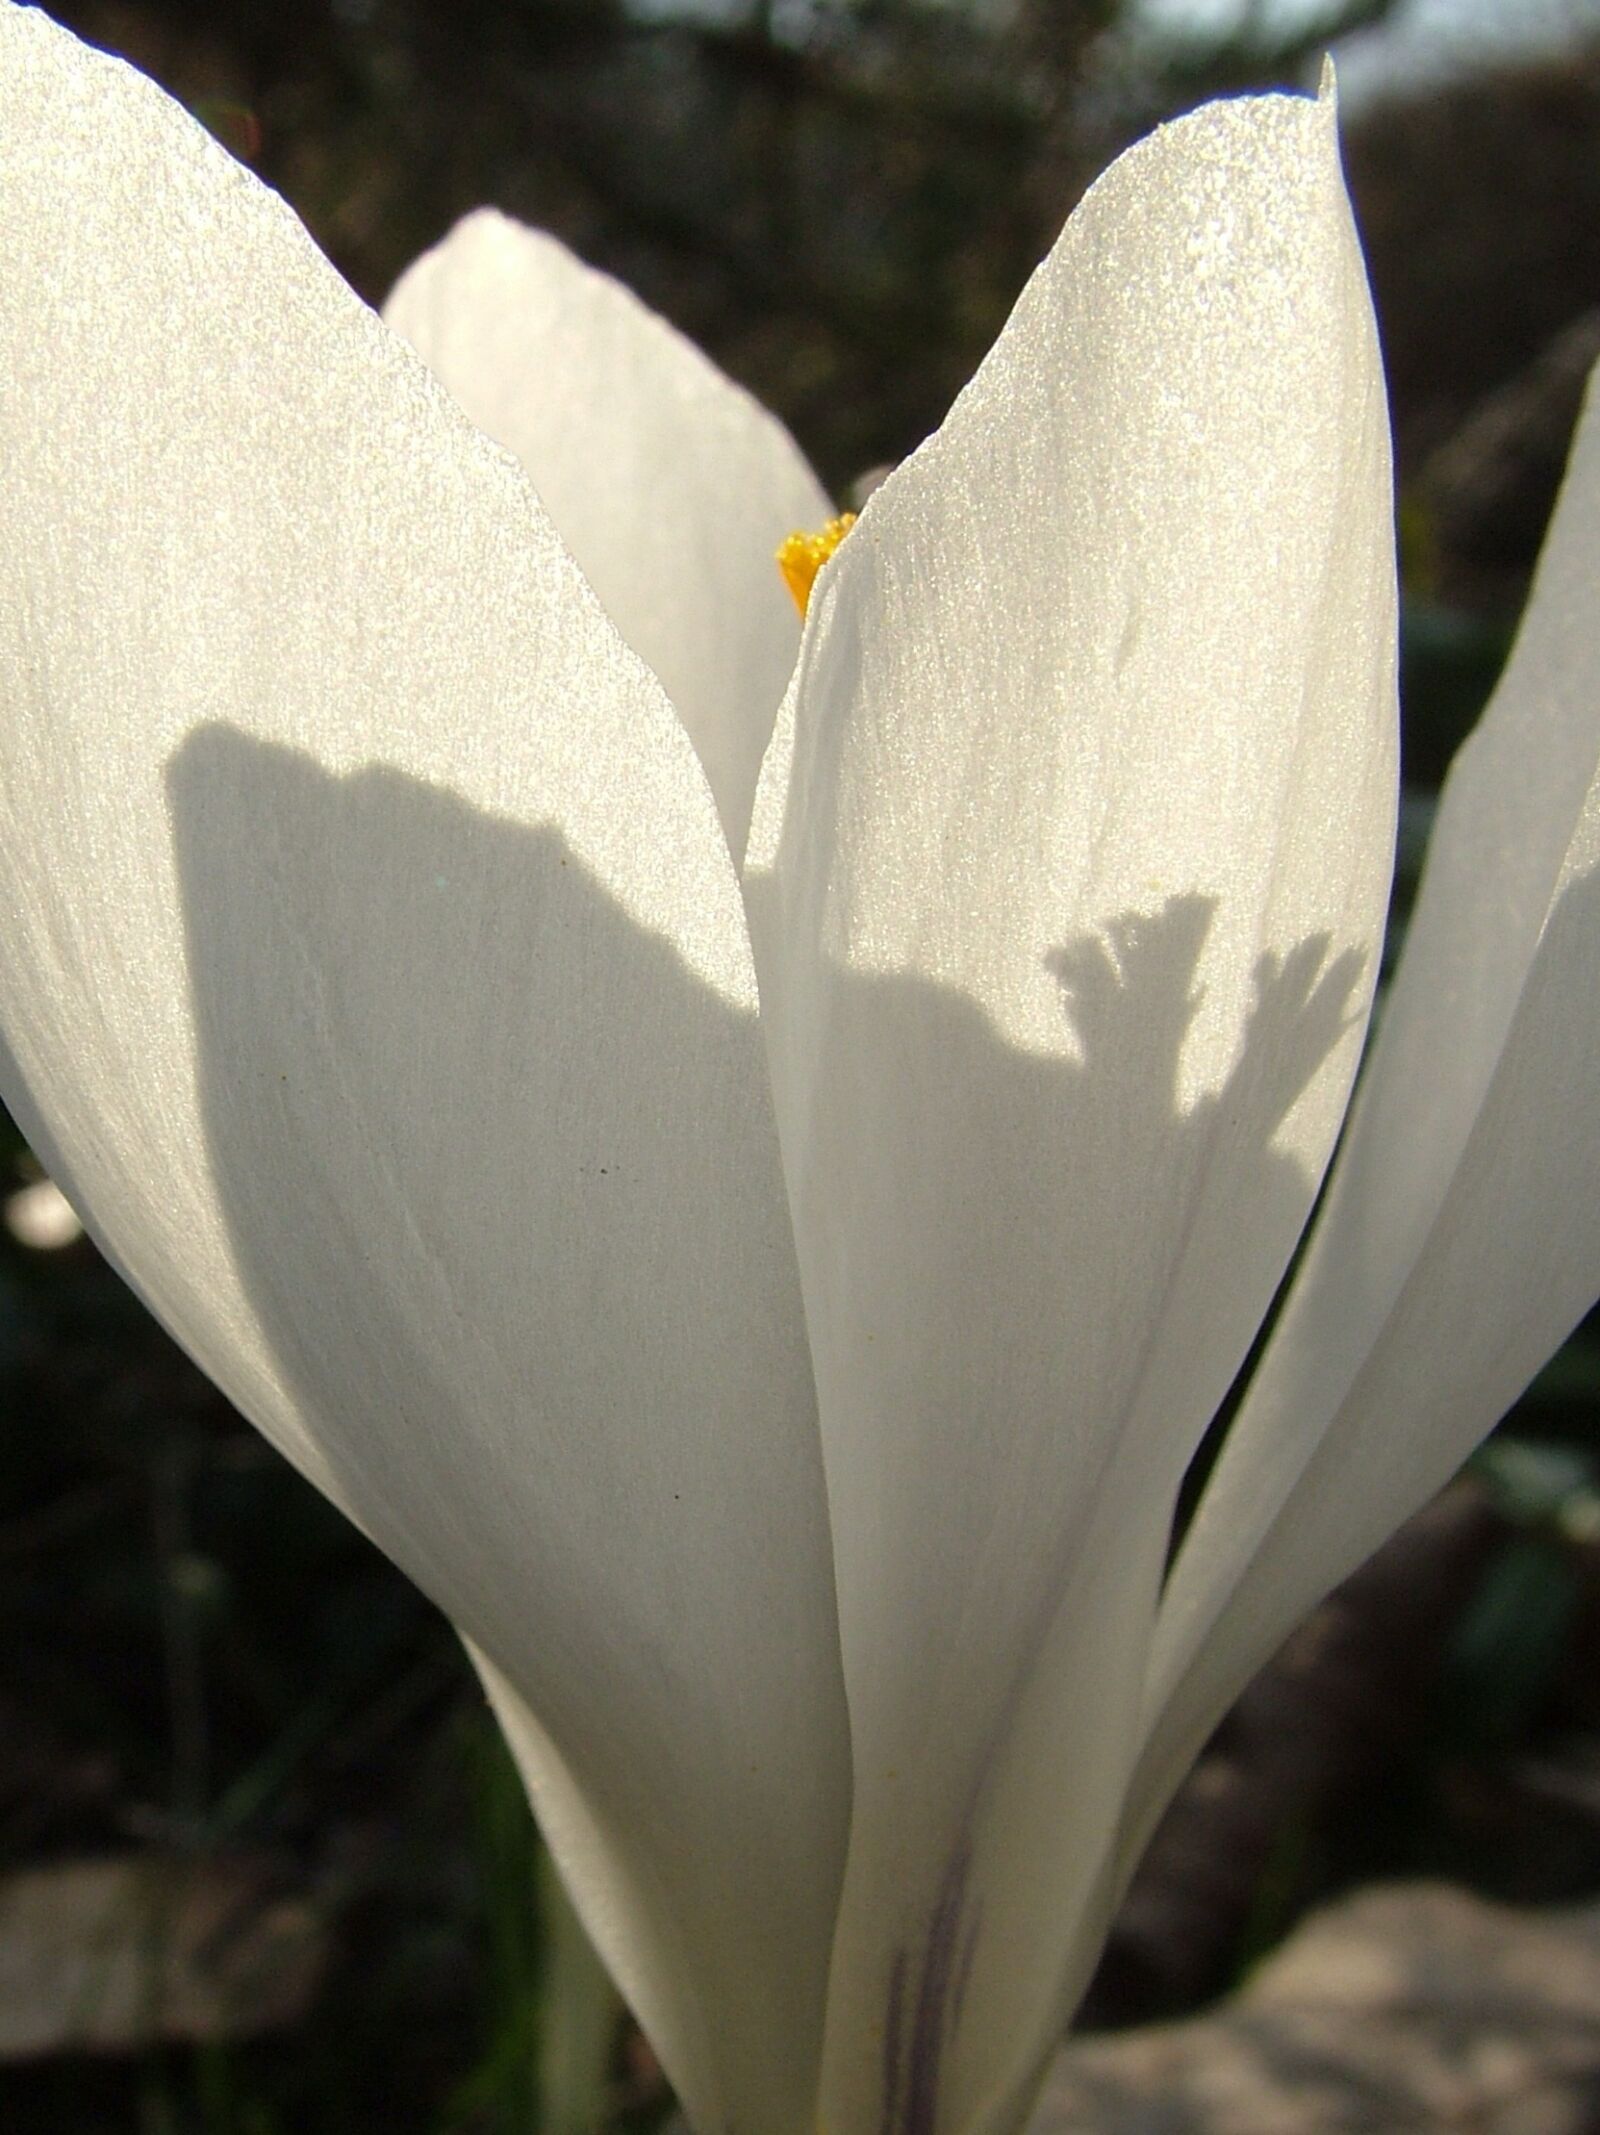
[{"x": 802, "y": 556}]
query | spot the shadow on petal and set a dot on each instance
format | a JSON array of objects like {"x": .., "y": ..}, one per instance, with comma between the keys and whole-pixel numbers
[
  {"x": 468, "y": 1120},
  {"x": 1030, "y": 1280},
  {"x": 491, "y": 1161}
]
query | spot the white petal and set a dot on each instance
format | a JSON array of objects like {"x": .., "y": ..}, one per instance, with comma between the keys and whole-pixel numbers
[
  {"x": 1461, "y": 1238},
  {"x": 1067, "y": 876},
  {"x": 374, "y": 979},
  {"x": 668, "y": 483}
]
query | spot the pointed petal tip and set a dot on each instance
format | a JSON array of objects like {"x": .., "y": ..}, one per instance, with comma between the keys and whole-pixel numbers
[
  {"x": 1284, "y": 129},
  {"x": 670, "y": 485},
  {"x": 476, "y": 235},
  {"x": 480, "y": 224}
]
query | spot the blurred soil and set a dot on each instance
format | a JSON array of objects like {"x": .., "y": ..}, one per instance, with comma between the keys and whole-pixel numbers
[{"x": 1417, "y": 2007}]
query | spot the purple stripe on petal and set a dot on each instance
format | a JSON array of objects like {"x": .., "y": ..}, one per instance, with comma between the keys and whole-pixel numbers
[{"x": 928, "y": 2032}]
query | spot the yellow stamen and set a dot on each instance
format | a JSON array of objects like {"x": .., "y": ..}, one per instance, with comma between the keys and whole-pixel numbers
[{"x": 802, "y": 556}]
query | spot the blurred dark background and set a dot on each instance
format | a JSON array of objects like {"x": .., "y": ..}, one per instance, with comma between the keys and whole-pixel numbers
[{"x": 263, "y": 1866}]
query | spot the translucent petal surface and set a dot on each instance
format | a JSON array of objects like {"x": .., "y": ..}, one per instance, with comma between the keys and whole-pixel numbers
[
  {"x": 1067, "y": 876},
  {"x": 1461, "y": 1238},
  {"x": 670, "y": 485},
  {"x": 374, "y": 977}
]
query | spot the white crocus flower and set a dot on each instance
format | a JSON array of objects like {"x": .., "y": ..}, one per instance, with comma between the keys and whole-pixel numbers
[{"x": 786, "y": 1394}]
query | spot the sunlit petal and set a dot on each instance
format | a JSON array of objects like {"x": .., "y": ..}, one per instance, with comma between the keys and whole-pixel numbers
[
  {"x": 1067, "y": 876},
  {"x": 374, "y": 980},
  {"x": 670, "y": 485}
]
